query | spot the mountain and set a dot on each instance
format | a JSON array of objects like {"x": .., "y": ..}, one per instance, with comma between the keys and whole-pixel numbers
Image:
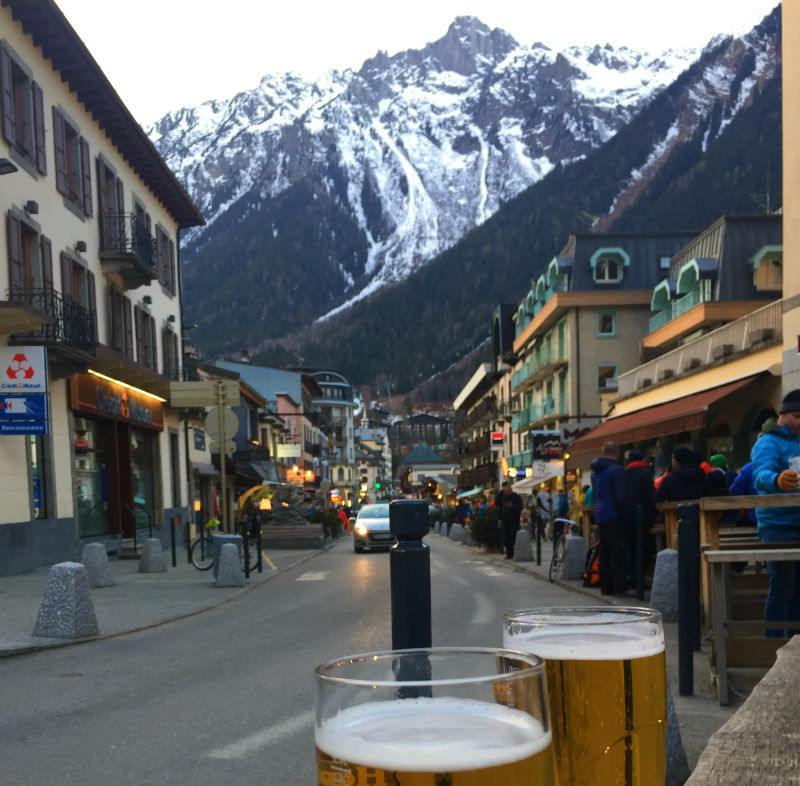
[
  {"x": 317, "y": 194},
  {"x": 604, "y": 137}
]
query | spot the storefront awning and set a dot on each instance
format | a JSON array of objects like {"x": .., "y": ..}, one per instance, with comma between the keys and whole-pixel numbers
[
  {"x": 526, "y": 485},
  {"x": 265, "y": 470},
  {"x": 208, "y": 470},
  {"x": 471, "y": 493},
  {"x": 683, "y": 414}
]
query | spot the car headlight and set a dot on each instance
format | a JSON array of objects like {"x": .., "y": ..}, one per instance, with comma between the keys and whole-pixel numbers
[{"x": 361, "y": 529}]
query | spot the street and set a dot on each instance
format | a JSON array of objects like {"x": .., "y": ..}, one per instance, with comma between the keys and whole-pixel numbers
[{"x": 227, "y": 696}]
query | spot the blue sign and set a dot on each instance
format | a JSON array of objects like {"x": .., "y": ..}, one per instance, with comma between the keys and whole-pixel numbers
[
  {"x": 24, "y": 406},
  {"x": 24, "y": 427}
]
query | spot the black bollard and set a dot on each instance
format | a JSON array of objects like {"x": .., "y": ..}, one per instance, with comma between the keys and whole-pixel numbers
[
  {"x": 410, "y": 575},
  {"x": 259, "y": 522},
  {"x": 688, "y": 594}
]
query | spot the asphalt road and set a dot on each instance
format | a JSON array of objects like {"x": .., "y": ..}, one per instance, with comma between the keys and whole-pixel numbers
[{"x": 227, "y": 696}]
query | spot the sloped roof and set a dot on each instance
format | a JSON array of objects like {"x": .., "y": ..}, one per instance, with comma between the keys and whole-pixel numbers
[{"x": 422, "y": 454}]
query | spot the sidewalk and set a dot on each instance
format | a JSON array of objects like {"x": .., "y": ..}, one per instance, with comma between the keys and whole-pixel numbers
[{"x": 136, "y": 600}]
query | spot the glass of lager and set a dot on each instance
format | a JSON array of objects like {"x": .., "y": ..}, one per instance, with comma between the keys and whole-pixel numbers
[
  {"x": 433, "y": 717},
  {"x": 606, "y": 679}
]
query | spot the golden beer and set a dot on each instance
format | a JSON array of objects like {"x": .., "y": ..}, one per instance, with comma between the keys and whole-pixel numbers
[
  {"x": 606, "y": 682},
  {"x": 433, "y": 742}
]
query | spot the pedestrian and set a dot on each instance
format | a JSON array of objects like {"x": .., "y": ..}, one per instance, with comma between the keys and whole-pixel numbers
[
  {"x": 717, "y": 476},
  {"x": 686, "y": 480},
  {"x": 562, "y": 504},
  {"x": 639, "y": 495},
  {"x": 509, "y": 505},
  {"x": 743, "y": 486},
  {"x": 608, "y": 488},
  {"x": 345, "y": 519},
  {"x": 776, "y": 459}
]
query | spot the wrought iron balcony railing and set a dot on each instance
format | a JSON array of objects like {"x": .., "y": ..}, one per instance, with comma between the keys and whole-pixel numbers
[
  {"x": 71, "y": 327},
  {"x": 123, "y": 237}
]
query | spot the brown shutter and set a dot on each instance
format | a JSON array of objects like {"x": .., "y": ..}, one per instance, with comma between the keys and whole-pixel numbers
[
  {"x": 47, "y": 264},
  {"x": 102, "y": 201},
  {"x": 165, "y": 352},
  {"x": 16, "y": 267},
  {"x": 160, "y": 255},
  {"x": 153, "y": 334},
  {"x": 86, "y": 175},
  {"x": 113, "y": 322},
  {"x": 7, "y": 95},
  {"x": 59, "y": 141},
  {"x": 120, "y": 197},
  {"x": 92, "y": 304},
  {"x": 127, "y": 321},
  {"x": 176, "y": 358},
  {"x": 38, "y": 128},
  {"x": 173, "y": 279},
  {"x": 139, "y": 319},
  {"x": 66, "y": 277}
]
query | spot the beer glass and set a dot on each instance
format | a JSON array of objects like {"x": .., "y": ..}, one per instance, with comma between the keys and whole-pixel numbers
[
  {"x": 433, "y": 717},
  {"x": 606, "y": 680}
]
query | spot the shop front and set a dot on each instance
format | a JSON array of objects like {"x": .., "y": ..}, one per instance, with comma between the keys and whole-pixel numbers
[{"x": 115, "y": 457}]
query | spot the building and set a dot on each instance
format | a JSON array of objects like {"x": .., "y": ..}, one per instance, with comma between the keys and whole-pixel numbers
[
  {"x": 423, "y": 471},
  {"x": 91, "y": 275},
  {"x": 715, "y": 342}
]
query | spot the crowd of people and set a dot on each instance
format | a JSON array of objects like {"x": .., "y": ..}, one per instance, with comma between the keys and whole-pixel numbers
[{"x": 618, "y": 490}]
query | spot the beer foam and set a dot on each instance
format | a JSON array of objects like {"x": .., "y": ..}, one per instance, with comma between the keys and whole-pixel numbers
[
  {"x": 431, "y": 735},
  {"x": 600, "y": 637}
]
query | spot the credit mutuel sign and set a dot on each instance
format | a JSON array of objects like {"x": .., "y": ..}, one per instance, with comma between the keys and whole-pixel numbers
[{"x": 104, "y": 398}]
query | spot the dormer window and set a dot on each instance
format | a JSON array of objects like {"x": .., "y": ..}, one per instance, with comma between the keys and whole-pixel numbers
[
  {"x": 608, "y": 265},
  {"x": 768, "y": 269}
]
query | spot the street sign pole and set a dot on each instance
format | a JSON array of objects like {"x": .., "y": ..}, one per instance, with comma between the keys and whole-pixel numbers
[{"x": 222, "y": 455}]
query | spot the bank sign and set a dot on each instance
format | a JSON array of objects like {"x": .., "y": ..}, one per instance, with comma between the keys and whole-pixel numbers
[
  {"x": 23, "y": 370},
  {"x": 104, "y": 398}
]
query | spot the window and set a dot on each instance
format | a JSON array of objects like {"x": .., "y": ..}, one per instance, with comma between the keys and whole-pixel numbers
[
  {"x": 30, "y": 257},
  {"x": 606, "y": 324},
  {"x": 607, "y": 270},
  {"x": 77, "y": 283},
  {"x": 663, "y": 263},
  {"x": 73, "y": 176},
  {"x": 23, "y": 113},
  {"x": 165, "y": 259},
  {"x": 146, "y": 352},
  {"x": 199, "y": 438},
  {"x": 120, "y": 323},
  {"x": 169, "y": 343},
  {"x": 606, "y": 378}
]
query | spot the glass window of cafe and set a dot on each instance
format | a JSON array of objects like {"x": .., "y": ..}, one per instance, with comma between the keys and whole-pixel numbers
[
  {"x": 142, "y": 464},
  {"x": 91, "y": 480}
]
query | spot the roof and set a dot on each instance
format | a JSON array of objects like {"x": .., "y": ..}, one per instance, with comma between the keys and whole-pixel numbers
[
  {"x": 53, "y": 34},
  {"x": 269, "y": 382},
  {"x": 422, "y": 454}
]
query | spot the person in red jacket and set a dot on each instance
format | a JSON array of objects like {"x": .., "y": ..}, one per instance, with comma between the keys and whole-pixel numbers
[{"x": 345, "y": 519}]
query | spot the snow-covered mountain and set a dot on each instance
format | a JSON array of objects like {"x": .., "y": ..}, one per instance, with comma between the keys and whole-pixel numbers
[
  {"x": 419, "y": 147},
  {"x": 319, "y": 193}
]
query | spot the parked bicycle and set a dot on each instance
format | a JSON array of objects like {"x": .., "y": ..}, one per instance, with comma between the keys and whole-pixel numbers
[
  {"x": 561, "y": 528},
  {"x": 202, "y": 549}
]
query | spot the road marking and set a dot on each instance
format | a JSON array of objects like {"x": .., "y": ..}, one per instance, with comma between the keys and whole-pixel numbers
[
  {"x": 313, "y": 575},
  {"x": 486, "y": 610},
  {"x": 263, "y": 738},
  {"x": 269, "y": 562}
]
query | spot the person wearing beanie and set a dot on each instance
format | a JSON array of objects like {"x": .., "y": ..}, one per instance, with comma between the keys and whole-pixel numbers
[
  {"x": 719, "y": 461},
  {"x": 776, "y": 459},
  {"x": 686, "y": 481}
]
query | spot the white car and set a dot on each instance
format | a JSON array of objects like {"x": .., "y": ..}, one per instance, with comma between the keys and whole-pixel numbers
[{"x": 371, "y": 532}]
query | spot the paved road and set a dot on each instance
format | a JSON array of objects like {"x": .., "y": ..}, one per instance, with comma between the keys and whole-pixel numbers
[{"x": 226, "y": 696}]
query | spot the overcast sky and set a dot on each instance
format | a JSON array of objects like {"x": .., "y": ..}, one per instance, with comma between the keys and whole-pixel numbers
[{"x": 161, "y": 55}]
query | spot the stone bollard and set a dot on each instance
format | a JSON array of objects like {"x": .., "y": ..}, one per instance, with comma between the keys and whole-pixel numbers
[
  {"x": 230, "y": 572},
  {"x": 469, "y": 540},
  {"x": 95, "y": 560},
  {"x": 522, "y": 547},
  {"x": 664, "y": 592},
  {"x": 456, "y": 532},
  {"x": 152, "y": 559},
  {"x": 677, "y": 769},
  {"x": 67, "y": 611},
  {"x": 438, "y": 528},
  {"x": 574, "y": 558}
]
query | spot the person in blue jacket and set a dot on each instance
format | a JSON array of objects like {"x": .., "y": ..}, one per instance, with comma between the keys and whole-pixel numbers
[
  {"x": 773, "y": 456},
  {"x": 608, "y": 487}
]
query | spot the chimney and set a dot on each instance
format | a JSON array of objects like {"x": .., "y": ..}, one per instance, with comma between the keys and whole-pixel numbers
[{"x": 245, "y": 357}]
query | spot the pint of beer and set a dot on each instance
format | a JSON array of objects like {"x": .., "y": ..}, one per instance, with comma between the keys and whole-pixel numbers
[
  {"x": 433, "y": 717},
  {"x": 606, "y": 679}
]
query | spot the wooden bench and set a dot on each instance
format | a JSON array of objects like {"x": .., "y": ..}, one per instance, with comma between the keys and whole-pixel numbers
[
  {"x": 738, "y": 634},
  {"x": 758, "y": 743}
]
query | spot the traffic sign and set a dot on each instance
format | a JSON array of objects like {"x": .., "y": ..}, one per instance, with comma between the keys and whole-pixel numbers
[
  {"x": 204, "y": 393},
  {"x": 230, "y": 424}
]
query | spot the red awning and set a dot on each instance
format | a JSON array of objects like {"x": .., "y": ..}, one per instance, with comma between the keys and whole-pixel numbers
[{"x": 683, "y": 414}]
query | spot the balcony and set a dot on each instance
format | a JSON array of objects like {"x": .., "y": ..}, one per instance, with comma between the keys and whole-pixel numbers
[
  {"x": 757, "y": 330},
  {"x": 483, "y": 411},
  {"x": 70, "y": 335},
  {"x": 479, "y": 445},
  {"x": 127, "y": 248}
]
